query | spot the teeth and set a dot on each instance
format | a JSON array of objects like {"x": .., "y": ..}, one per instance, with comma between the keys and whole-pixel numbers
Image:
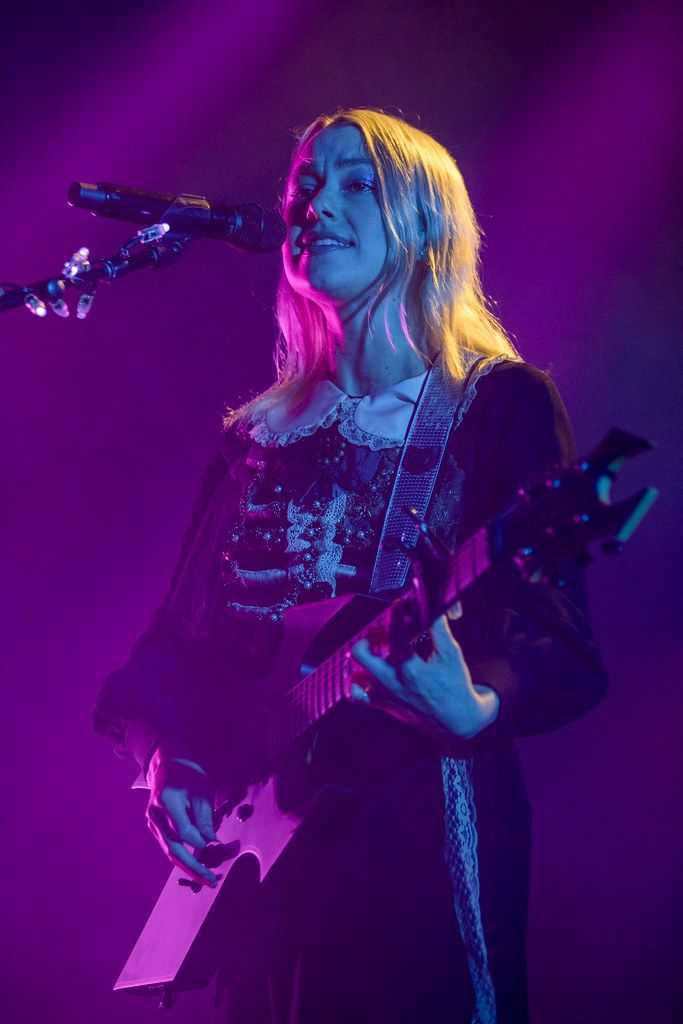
[{"x": 317, "y": 243}]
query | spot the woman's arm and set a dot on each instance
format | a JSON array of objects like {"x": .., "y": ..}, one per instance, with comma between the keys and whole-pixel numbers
[
  {"x": 522, "y": 658},
  {"x": 530, "y": 642},
  {"x": 166, "y": 685},
  {"x": 157, "y": 706}
]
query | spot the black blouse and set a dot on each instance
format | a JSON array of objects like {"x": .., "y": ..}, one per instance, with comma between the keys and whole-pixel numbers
[{"x": 260, "y": 537}]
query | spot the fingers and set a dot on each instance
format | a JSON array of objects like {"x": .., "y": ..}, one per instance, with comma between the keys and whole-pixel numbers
[
  {"x": 415, "y": 680},
  {"x": 445, "y": 644},
  {"x": 167, "y": 834},
  {"x": 413, "y": 671},
  {"x": 176, "y": 805},
  {"x": 358, "y": 693},
  {"x": 394, "y": 685},
  {"x": 377, "y": 666},
  {"x": 181, "y": 857},
  {"x": 203, "y": 818}
]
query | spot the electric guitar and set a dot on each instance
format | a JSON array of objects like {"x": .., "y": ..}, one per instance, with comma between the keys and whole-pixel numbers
[{"x": 557, "y": 518}]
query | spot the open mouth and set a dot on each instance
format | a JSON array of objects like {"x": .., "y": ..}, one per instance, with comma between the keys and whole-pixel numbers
[{"x": 324, "y": 243}]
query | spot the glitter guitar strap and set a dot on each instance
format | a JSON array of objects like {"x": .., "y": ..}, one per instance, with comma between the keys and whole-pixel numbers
[
  {"x": 441, "y": 403},
  {"x": 416, "y": 475}
]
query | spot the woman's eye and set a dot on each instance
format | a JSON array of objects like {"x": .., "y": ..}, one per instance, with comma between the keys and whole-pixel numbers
[
  {"x": 305, "y": 189},
  {"x": 302, "y": 189},
  {"x": 361, "y": 185}
]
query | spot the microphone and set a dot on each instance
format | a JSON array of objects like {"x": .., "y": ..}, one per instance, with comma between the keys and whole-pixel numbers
[{"x": 248, "y": 226}]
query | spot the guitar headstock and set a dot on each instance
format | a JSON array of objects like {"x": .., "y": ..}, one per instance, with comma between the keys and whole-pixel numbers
[{"x": 563, "y": 515}]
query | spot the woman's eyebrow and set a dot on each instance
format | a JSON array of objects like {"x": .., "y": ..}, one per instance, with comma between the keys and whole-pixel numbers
[{"x": 354, "y": 161}]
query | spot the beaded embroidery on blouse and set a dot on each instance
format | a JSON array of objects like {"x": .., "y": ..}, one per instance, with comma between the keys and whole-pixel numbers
[
  {"x": 309, "y": 522},
  {"x": 312, "y": 510}
]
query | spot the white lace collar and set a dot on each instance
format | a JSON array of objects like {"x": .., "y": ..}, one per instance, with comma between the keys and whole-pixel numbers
[{"x": 376, "y": 421}]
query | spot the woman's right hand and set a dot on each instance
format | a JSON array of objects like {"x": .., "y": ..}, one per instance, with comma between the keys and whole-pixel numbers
[{"x": 180, "y": 808}]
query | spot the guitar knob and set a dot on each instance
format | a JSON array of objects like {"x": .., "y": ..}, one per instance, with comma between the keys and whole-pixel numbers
[
  {"x": 244, "y": 812},
  {"x": 614, "y": 546}
]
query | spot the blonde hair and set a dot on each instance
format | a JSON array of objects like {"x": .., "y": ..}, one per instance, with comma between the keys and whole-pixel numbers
[{"x": 433, "y": 256}]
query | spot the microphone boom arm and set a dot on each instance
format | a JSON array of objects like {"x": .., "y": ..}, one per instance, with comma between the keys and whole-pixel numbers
[{"x": 174, "y": 220}]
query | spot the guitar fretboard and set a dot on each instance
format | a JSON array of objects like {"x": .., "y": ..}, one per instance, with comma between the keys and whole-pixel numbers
[{"x": 330, "y": 683}]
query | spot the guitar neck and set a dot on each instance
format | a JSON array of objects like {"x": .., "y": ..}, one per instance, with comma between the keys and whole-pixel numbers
[{"x": 330, "y": 683}]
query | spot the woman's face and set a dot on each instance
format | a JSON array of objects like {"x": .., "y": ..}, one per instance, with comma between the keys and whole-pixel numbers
[{"x": 336, "y": 243}]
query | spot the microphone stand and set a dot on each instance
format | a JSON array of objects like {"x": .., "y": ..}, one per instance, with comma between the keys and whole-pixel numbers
[{"x": 155, "y": 247}]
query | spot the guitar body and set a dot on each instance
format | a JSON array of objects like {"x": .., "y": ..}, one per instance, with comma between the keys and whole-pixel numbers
[
  {"x": 163, "y": 953},
  {"x": 258, "y": 818}
]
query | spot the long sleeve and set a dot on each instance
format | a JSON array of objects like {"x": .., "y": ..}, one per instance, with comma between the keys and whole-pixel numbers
[
  {"x": 170, "y": 677},
  {"x": 531, "y": 642}
]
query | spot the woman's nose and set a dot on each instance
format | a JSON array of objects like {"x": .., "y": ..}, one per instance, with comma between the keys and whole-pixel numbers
[{"x": 320, "y": 205}]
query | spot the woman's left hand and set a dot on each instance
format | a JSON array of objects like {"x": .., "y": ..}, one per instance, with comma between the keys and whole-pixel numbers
[{"x": 438, "y": 690}]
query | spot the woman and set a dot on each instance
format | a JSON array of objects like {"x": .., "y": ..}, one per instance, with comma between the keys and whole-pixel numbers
[{"x": 408, "y": 902}]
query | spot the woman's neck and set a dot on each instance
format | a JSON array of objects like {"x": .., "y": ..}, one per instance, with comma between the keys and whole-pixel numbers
[{"x": 374, "y": 355}]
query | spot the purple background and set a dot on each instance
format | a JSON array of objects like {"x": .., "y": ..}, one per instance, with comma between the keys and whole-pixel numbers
[{"x": 564, "y": 121}]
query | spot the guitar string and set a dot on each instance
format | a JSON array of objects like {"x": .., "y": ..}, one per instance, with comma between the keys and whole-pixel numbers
[{"x": 323, "y": 688}]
